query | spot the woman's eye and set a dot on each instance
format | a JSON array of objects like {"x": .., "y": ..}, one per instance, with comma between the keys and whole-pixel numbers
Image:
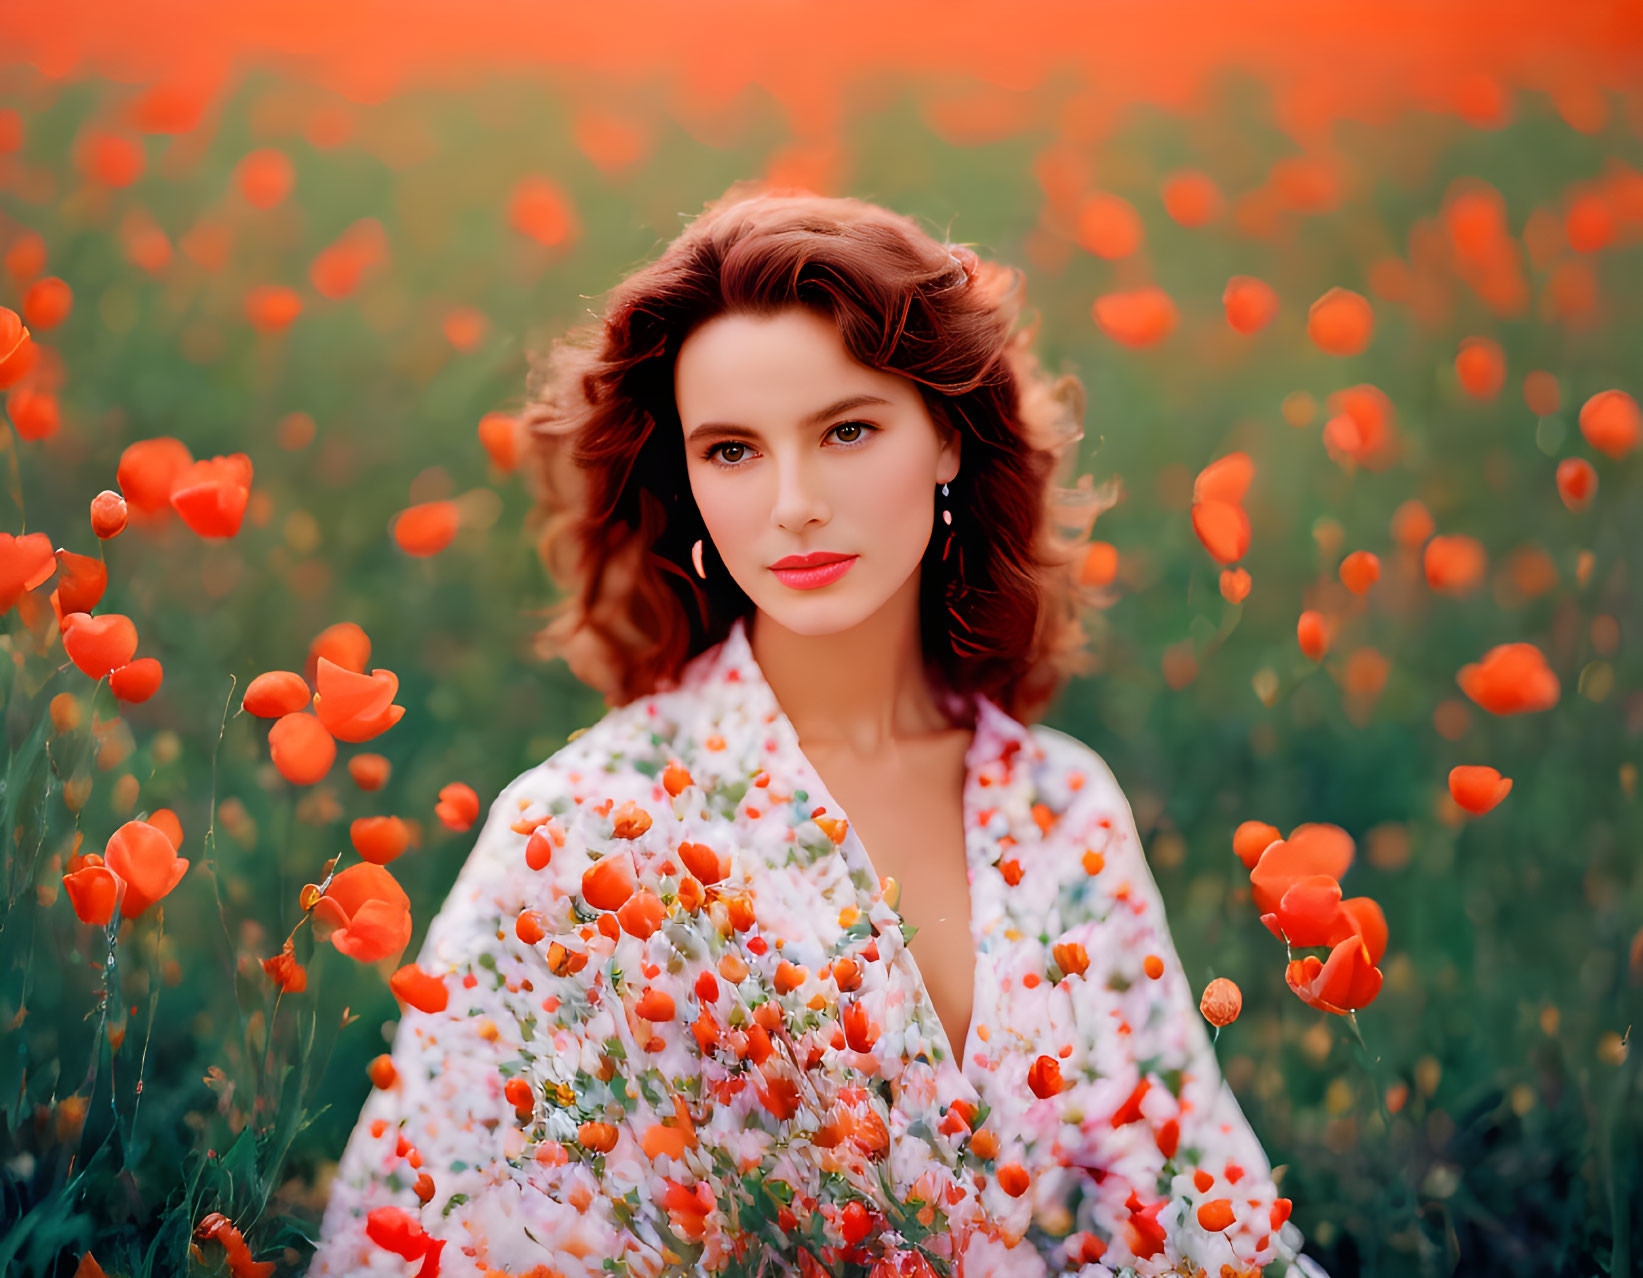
[{"x": 716, "y": 453}]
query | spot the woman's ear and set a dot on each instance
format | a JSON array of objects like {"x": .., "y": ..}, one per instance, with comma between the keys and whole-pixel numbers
[{"x": 947, "y": 464}]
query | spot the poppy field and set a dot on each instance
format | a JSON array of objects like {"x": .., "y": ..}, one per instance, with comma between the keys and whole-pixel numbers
[{"x": 1356, "y": 299}]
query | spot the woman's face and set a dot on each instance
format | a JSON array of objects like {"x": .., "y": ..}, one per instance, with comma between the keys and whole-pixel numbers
[{"x": 794, "y": 448}]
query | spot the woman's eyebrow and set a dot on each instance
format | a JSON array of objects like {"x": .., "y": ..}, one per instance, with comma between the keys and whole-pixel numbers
[{"x": 707, "y": 429}]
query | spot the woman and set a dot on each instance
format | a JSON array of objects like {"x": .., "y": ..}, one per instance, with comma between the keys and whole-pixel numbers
[{"x": 810, "y": 956}]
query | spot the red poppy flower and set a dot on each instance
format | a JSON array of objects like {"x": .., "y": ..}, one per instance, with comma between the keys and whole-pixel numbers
[
  {"x": 47, "y": 303},
  {"x": 458, "y": 808},
  {"x": 81, "y": 581},
  {"x": 136, "y": 681},
  {"x": 364, "y": 913},
  {"x": 144, "y": 856},
  {"x": 379, "y": 839},
  {"x": 25, "y": 562},
  {"x": 1341, "y": 322},
  {"x": 1250, "y": 304},
  {"x": 355, "y": 707},
  {"x": 1481, "y": 367},
  {"x": 1512, "y": 678},
  {"x": 1223, "y": 528},
  {"x": 148, "y": 469},
  {"x": 211, "y": 495},
  {"x": 98, "y": 645},
  {"x": 275, "y": 693},
  {"x": 499, "y": 434},
  {"x": 426, "y": 529},
  {"x": 1347, "y": 980},
  {"x": 1576, "y": 482},
  {"x": 345, "y": 643},
  {"x": 33, "y": 412},
  {"x": 1311, "y": 849},
  {"x": 92, "y": 890},
  {"x": 1478, "y": 789},
  {"x": 1610, "y": 420},
  {"x": 1139, "y": 317},
  {"x": 301, "y": 748}
]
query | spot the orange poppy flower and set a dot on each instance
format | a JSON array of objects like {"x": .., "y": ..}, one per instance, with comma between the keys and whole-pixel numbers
[
  {"x": 148, "y": 469},
  {"x": 272, "y": 308},
  {"x": 146, "y": 859},
  {"x": 1454, "y": 564},
  {"x": 364, "y": 913},
  {"x": 275, "y": 693},
  {"x": 136, "y": 681},
  {"x": 345, "y": 643},
  {"x": 81, "y": 581},
  {"x": 1225, "y": 479},
  {"x": 609, "y": 882},
  {"x": 1191, "y": 198},
  {"x": 92, "y": 891},
  {"x": 47, "y": 303},
  {"x": 426, "y": 529},
  {"x": 1223, "y": 528},
  {"x": 1312, "y": 633},
  {"x": 369, "y": 771},
  {"x": 211, "y": 494},
  {"x": 379, "y": 839},
  {"x": 1347, "y": 980},
  {"x": 1412, "y": 524},
  {"x": 499, "y": 434},
  {"x": 98, "y": 645},
  {"x": 458, "y": 806},
  {"x": 539, "y": 209},
  {"x": 1360, "y": 570},
  {"x": 1611, "y": 422},
  {"x": 355, "y": 707},
  {"x": 302, "y": 750},
  {"x": 1311, "y": 849},
  {"x": 1512, "y": 678},
  {"x": 1478, "y": 789},
  {"x": 1481, "y": 367},
  {"x": 265, "y": 177},
  {"x": 1341, "y": 322},
  {"x": 1576, "y": 482},
  {"x": 33, "y": 412},
  {"x": 1250, "y": 304},
  {"x": 17, "y": 349},
  {"x": 1251, "y": 839},
  {"x": 1139, "y": 317},
  {"x": 1108, "y": 226},
  {"x": 25, "y": 562}
]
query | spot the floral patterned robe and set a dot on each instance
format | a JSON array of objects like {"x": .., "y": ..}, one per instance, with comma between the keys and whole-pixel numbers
[{"x": 728, "y": 1063}]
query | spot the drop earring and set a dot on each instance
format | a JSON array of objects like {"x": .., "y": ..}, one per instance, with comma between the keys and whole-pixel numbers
[
  {"x": 956, "y": 590},
  {"x": 696, "y": 558}
]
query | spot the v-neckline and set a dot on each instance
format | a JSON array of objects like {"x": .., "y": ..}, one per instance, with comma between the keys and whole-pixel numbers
[{"x": 812, "y": 781}]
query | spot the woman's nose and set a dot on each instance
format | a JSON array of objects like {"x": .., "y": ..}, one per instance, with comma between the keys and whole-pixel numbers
[{"x": 800, "y": 497}]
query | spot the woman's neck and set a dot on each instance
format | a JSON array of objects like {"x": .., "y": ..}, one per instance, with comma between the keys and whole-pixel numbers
[{"x": 861, "y": 690}]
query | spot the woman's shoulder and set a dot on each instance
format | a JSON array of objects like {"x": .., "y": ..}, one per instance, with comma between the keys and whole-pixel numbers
[{"x": 1076, "y": 766}]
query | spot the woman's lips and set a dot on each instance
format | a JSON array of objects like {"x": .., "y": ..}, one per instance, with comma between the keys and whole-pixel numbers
[{"x": 811, "y": 578}]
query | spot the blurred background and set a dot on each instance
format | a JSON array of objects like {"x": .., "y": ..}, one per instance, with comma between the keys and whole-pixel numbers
[{"x": 326, "y": 236}]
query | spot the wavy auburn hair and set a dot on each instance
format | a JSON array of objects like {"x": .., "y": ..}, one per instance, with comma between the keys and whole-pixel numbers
[{"x": 606, "y": 463}]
